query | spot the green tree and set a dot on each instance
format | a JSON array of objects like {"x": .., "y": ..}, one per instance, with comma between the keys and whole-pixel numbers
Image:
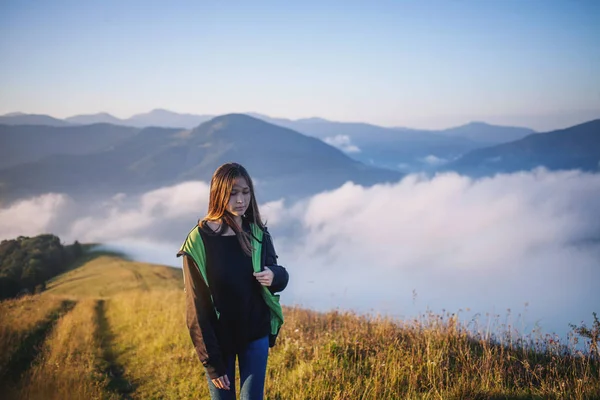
[{"x": 28, "y": 262}]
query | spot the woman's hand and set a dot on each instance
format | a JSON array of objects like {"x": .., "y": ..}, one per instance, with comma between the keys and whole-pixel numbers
[
  {"x": 221, "y": 382},
  {"x": 265, "y": 277}
]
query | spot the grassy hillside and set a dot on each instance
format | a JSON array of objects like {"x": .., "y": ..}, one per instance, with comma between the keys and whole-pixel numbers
[
  {"x": 114, "y": 329},
  {"x": 109, "y": 275}
]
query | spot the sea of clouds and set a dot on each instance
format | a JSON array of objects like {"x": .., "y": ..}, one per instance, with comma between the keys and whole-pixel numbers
[{"x": 528, "y": 242}]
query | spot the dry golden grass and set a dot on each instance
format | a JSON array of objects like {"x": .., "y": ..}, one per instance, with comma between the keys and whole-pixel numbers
[
  {"x": 131, "y": 318},
  {"x": 107, "y": 275},
  {"x": 19, "y": 319},
  {"x": 344, "y": 356},
  {"x": 154, "y": 346},
  {"x": 70, "y": 364}
]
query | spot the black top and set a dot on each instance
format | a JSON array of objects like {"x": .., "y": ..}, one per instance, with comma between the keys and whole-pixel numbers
[
  {"x": 244, "y": 315},
  {"x": 214, "y": 338}
]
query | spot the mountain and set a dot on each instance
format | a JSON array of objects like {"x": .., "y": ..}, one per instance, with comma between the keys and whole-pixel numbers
[
  {"x": 400, "y": 149},
  {"x": 99, "y": 172},
  {"x": 157, "y": 118},
  {"x": 549, "y": 121},
  {"x": 167, "y": 119},
  {"x": 285, "y": 162},
  {"x": 479, "y": 132},
  {"x": 403, "y": 149},
  {"x": 32, "y": 143},
  {"x": 31, "y": 119},
  {"x": 486, "y": 133},
  {"x": 100, "y": 118},
  {"x": 577, "y": 147}
]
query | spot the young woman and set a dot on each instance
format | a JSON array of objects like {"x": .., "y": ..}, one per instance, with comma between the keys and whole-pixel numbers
[{"x": 231, "y": 277}]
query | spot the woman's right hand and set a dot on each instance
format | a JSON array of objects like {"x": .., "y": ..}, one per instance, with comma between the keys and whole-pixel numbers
[{"x": 221, "y": 382}]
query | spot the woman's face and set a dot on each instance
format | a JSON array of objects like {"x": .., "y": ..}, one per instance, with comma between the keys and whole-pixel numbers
[{"x": 239, "y": 199}]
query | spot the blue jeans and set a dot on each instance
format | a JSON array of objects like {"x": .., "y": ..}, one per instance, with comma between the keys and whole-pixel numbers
[{"x": 253, "y": 368}]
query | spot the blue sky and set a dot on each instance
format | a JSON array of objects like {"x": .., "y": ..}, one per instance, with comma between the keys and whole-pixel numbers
[{"x": 404, "y": 63}]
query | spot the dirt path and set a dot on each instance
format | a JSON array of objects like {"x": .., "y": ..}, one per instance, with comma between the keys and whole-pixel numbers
[{"x": 118, "y": 384}]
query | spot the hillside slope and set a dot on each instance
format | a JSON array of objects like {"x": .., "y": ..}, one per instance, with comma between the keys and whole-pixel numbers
[
  {"x": 114, "y": 328},
  {"x": 109, "y": 275}
]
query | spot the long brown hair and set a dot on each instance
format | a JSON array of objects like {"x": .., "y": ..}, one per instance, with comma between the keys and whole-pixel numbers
[{"x": 221, "y": 186}]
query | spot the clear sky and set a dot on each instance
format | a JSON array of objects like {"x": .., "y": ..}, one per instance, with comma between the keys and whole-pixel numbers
[{"x": 406, "y": 63}]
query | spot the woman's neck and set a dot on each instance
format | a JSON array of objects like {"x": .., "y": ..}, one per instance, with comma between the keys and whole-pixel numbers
[{"x": 238, "y": 221}]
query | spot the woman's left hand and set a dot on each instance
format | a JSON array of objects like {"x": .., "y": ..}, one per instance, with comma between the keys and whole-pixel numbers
[{"x": 265, "y": 277}]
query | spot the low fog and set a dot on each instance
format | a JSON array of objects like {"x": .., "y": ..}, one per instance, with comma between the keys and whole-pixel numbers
[{"x": 528, "y": 242}]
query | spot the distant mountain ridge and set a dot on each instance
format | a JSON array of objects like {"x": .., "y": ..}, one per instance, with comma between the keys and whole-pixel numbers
[
  {"x": 166, "y": 118},
  {"x": 31, "y": 143},
  {"x": 577, "y": 147},
  {"x": 30, "y": 119},
  {"x": 475, "y": 131},
  {"x": 486, "y": 133},
  {"x": 286, "y": 162},
  {"x": 104, "y": 158},
  {"x": 99, "y": 118},
  {"x": 157, "y": 117},
  {"x": 314, "y": 126},
  {"x": 402, "y": 149}
]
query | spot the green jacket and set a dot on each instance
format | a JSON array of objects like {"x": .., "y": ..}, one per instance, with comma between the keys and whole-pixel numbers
[{"x": 194, "y": 247}]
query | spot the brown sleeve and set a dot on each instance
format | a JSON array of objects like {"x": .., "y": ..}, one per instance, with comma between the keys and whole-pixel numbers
[
  {"x": 280, "y": 274},
  {"x": 201, "y": 319}
]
